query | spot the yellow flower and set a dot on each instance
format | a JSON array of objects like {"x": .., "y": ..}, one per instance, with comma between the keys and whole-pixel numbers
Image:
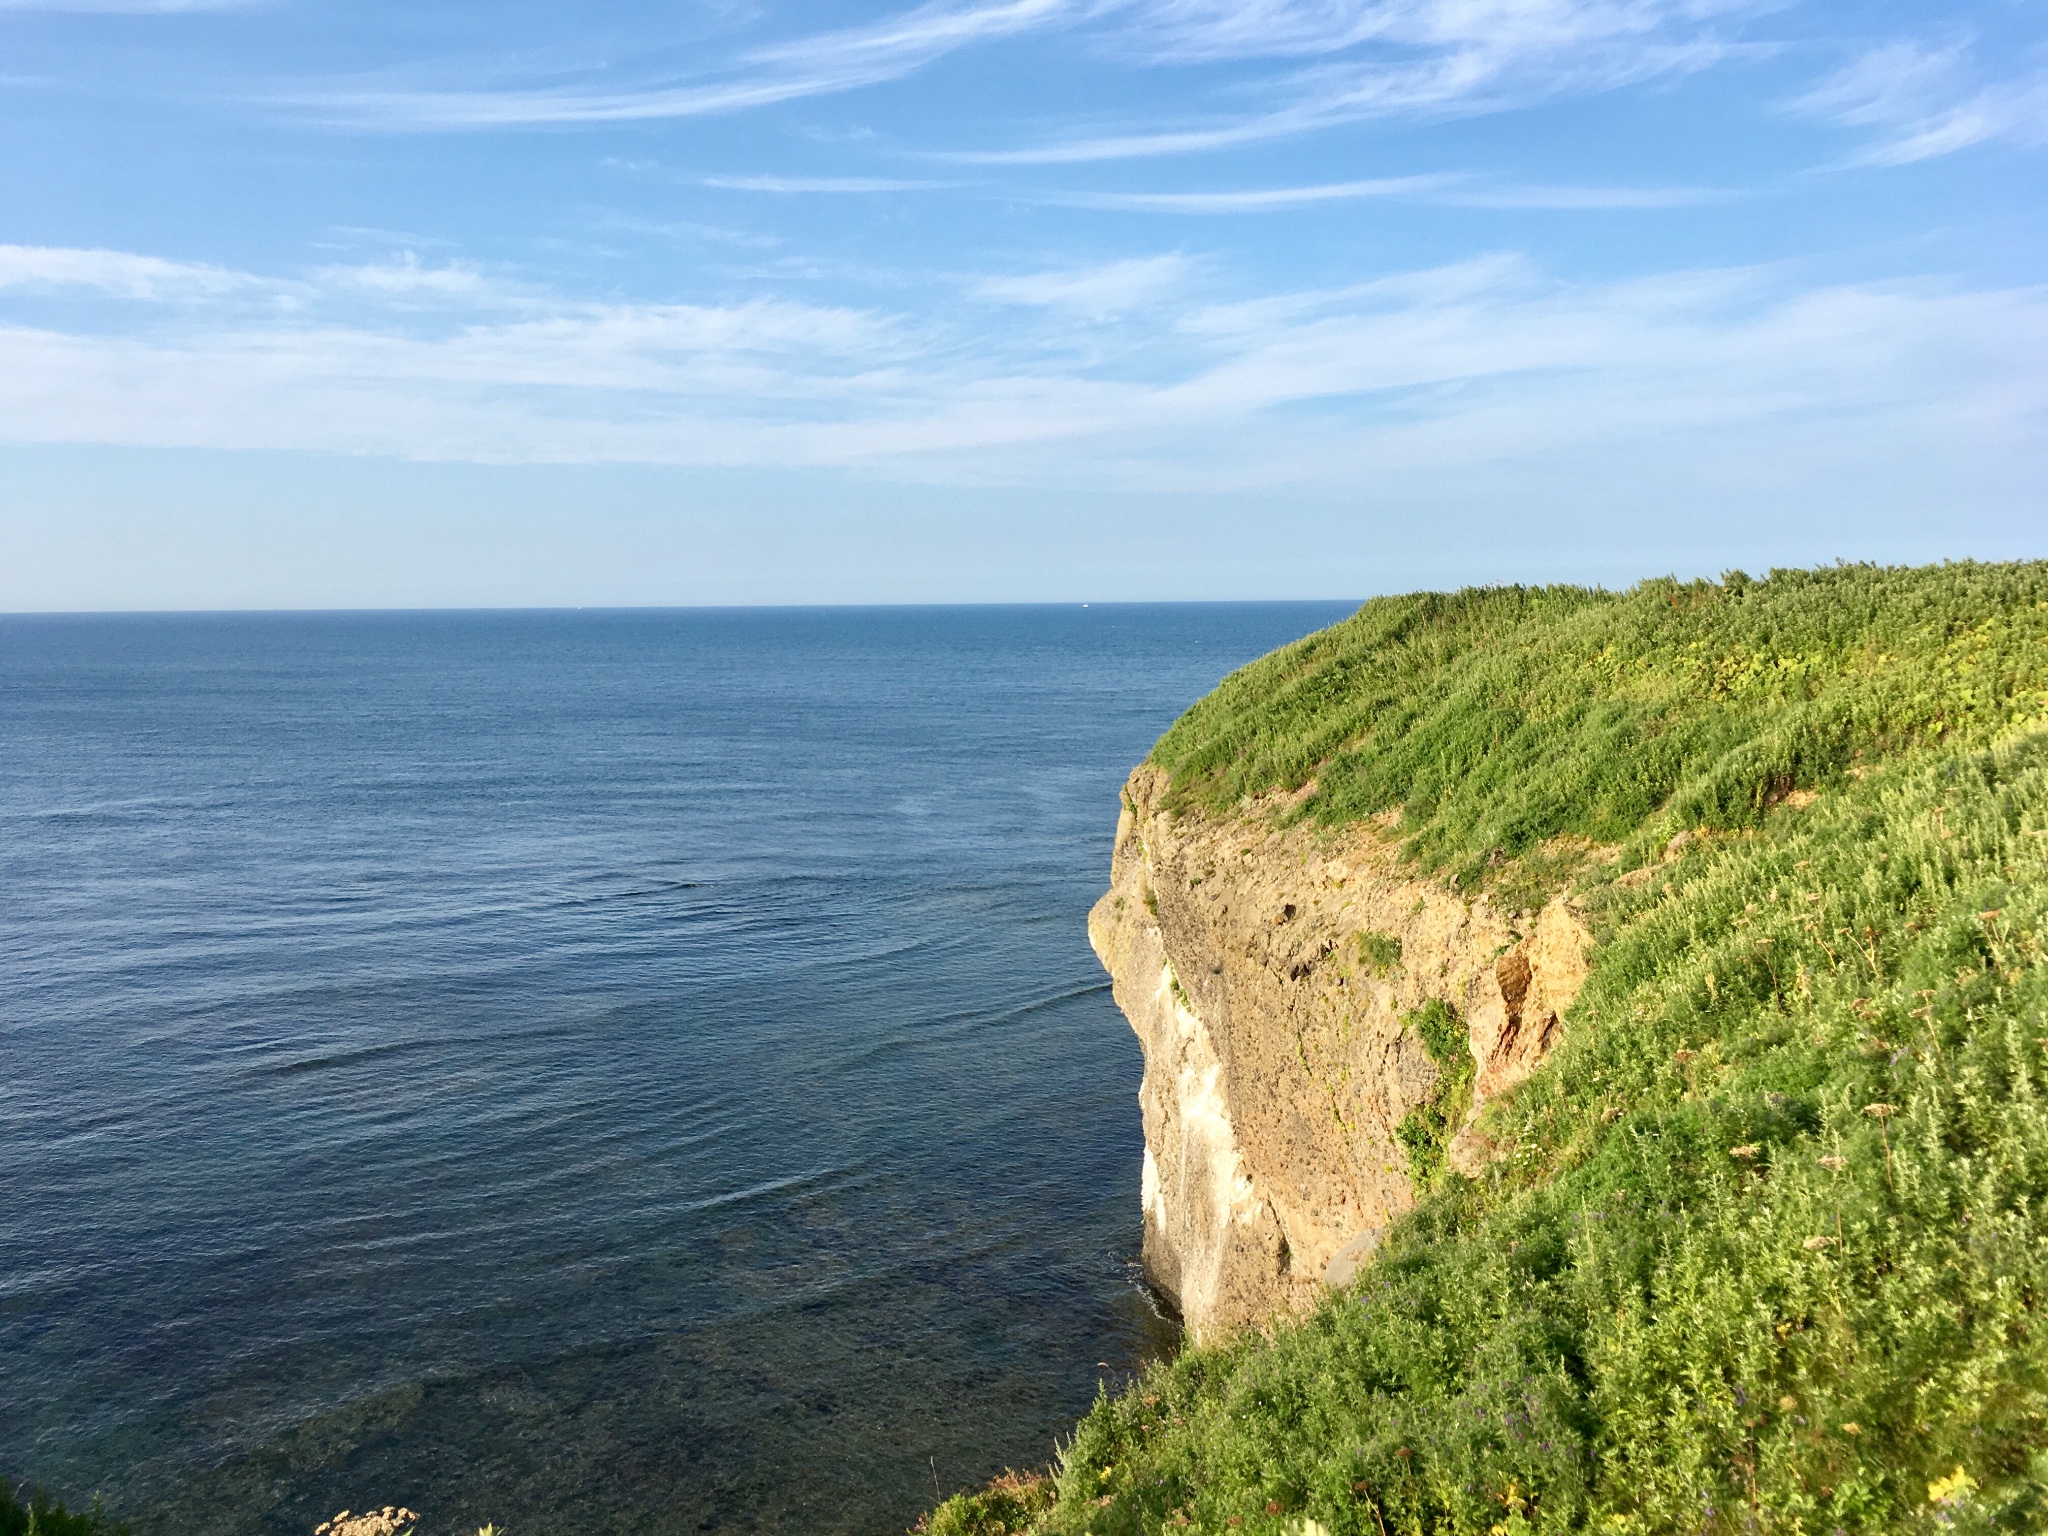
[{"x": 1956, "y": 1486}]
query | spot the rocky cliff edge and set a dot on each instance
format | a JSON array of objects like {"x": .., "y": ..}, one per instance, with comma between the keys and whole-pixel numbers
[{"x": 1274, "y": 975}]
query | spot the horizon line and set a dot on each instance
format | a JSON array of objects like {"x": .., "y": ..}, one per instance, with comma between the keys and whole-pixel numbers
[{"x": 455, "y": 610}]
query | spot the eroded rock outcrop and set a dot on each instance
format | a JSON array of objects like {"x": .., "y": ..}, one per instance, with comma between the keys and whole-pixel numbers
[{"x": 1267, "y": 973}]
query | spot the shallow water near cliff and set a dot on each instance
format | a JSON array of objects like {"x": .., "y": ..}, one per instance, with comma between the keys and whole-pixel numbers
[{"x": 629, "y": 1072}]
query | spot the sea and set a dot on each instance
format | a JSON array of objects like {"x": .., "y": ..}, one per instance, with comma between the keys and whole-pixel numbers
[{"x": 587, "y": 1072}]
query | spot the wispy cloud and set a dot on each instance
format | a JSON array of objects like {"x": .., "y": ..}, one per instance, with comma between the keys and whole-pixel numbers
[
  {"x": 125, "y": 7},
  {"x": 821, "y": 64},
  {"x": 117, "y": 273},
  {"x": 1205, "y": 30},
  {"x": 1112, "y": 288},
  {"x": 402, "y": 281},
  {"x": 827, "y": 184},
  {"x": 405, "y": 279},
  {"x": 1565, "y": 198},
  {"x": 1254, "y": 199},
  {"x": 1923, "y": 102},
  {"x": 1202, "y": 30},
  {"x": 1372, "y": 59},
  {"x": 1478, "y": 362},
  {"x": 1454, "y": 189},
  {"x": 1399, "y": 59}
]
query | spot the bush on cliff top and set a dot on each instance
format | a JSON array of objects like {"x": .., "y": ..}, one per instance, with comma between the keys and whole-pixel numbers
[
  {"x": 1496, "y": 718},
  {"x": 1766, "y": 1245}
]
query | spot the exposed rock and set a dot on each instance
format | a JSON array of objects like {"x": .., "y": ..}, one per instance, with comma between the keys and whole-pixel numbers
[
  {"x": 387, "y": 1521},
  {"x": 1258, "y": 967}
]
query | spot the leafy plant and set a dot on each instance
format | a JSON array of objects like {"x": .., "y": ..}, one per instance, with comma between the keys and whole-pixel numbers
[
  {"x": 1009, "y": 1506},
  {"x": 1425, "y": 1132},
  {"x": 1379, "y": 953},
  {"x": 25, "y": 1512}
]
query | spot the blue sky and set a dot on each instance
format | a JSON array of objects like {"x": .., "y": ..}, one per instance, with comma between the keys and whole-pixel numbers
[{"x": 305, "y": 303}]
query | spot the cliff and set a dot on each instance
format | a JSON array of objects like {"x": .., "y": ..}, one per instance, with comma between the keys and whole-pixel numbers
[
  {"x": 1601, "y": 1040},
  {"x": 1268, "y": 971}
]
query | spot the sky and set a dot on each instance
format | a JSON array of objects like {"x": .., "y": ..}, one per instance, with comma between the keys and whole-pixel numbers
[{"x": 346, "y": 303}]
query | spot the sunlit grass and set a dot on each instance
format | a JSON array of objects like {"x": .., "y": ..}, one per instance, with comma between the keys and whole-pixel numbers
[{"x": 1496, "y": 719}]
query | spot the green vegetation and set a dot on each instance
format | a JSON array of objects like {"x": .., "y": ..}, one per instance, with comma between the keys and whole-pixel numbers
[
  {"x": 1765, "y": 1248},
  {"x": 35, "y": 1515},
  {"x": 1425, "y": 1132},
  {"x": 1007, "y": 1507},
  {"x": 1497, "y": 719},
  {"x": 1379, "y": 953}
]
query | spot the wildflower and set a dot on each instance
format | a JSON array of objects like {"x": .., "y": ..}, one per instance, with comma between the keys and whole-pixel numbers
[{"x": 1952, "y": 1489}]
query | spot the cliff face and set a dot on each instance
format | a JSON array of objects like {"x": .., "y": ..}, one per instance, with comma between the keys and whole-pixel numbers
[{"x": 1259, "y": 969}]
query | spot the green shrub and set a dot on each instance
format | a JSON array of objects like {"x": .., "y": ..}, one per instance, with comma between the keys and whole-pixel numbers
[
  {"x": 1007, "y": 1507},
  {"x": 1425, "y": 1132},
  {"x": 1379, "y": 953},
  {"x": 36, "y": 1515}
]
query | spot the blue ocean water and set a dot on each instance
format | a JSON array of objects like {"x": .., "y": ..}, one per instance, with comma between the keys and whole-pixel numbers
[{"x": 624, "y": 1072}]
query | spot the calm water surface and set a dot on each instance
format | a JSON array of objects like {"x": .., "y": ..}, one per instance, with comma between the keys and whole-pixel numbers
[{"x": 632, "y": 1072}]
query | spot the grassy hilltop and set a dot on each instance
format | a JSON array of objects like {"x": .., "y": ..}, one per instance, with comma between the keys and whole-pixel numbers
[{"x": 1766, "y": 1249}]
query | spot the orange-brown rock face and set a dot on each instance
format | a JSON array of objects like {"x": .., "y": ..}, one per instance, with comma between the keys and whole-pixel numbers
[{"x": 1276, "y": 1063}]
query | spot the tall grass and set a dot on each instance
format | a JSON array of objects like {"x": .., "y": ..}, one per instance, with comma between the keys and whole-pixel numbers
[
  {"x": 1765, "y": 1245},
  {"x": 1497, "y": 718}
]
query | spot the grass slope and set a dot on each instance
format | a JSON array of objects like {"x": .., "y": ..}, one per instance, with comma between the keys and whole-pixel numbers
[
  {"x": 1498, "y": 718},
  {"x": 1767, "y": 1248}
]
